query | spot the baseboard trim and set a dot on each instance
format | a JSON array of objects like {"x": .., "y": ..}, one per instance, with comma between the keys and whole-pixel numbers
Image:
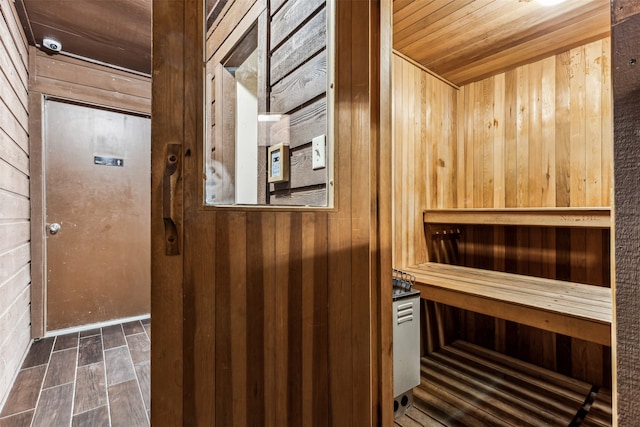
[{"x": 94, "y": 325}]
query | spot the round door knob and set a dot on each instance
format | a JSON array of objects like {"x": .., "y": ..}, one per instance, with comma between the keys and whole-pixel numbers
[{"x": 54, "y": 228}]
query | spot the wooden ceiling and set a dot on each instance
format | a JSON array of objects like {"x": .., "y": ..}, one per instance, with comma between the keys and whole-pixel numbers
[
  {"x": 116, "y": 32},
  {"x": 467, "y": 40},
  {"x": 460, "y": 40}
]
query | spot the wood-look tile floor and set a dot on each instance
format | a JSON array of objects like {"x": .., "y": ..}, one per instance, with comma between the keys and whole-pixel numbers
[{"x": 92, "y": 378}]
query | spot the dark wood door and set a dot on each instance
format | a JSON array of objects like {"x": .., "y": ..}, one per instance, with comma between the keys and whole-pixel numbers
[
  {"x": 98, "y": 191},
  {"x": 269, "y": 317}
]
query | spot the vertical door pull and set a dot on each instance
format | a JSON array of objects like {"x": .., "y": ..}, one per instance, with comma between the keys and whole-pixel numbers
[{"x": 169, "y": 184}]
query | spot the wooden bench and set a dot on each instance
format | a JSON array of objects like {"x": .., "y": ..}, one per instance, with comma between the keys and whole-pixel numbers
[
  {"x": 573, "y": 309},
  {"x": 599, "y": 217}
]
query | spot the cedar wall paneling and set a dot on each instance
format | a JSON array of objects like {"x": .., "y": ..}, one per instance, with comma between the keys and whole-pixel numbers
[
  {"x": 15, "y": 256},
  {"x": 626, "y": 74},
  {"x": 274, "y": 319},
  {"x": 538, "y": 135},
  {"x": 424, "y": 155}
]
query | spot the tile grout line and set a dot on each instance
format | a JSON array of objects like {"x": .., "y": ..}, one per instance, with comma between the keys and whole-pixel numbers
[
  {"x": 75, "y": 381},
  {"x": 106, "y": 379},
  {"x": 138, "y": 378},
  {"x": 46, "y": 370},
  {"x": 147, "y": 334}
]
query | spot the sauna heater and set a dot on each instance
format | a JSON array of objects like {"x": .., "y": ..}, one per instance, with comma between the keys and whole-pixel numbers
[{"x": 406, "y": 341}]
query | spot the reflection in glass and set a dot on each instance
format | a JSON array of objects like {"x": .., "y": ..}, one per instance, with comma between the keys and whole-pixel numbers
[{"x": 268, "y": 84}]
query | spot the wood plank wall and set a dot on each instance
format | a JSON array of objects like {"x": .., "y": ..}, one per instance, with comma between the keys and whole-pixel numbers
[
  {"x": 73, "y": 80},
  {"x": 424, "y": 155},
  {"x": 535, "y": 136},
  {"x": 15, "y": 255},
  {"x": 276, "y": 319},
  {"x": 297, "y": 87}
]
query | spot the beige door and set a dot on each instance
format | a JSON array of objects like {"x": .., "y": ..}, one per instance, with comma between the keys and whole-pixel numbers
[{"x": 97, "y": 183}]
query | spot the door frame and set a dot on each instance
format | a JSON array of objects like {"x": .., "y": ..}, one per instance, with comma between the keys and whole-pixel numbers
[{"x": 40, "y": 89}]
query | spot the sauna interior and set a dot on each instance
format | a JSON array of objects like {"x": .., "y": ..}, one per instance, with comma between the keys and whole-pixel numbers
[{"x": 502, "y": 157}]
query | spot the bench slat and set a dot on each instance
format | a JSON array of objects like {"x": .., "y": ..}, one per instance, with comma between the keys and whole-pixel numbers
[
  {"x": 597, "y": 294},
  {"x": 574, "y": 296},
  {"x": 591, "y": 217},
  {"x": 577, "y": 310},
  {"x": 556, "y": 296}
]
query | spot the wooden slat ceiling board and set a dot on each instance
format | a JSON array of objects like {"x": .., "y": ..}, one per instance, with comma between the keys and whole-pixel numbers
[
  {"x": 467, "y": 40},
  {"x": 116, "y": 32}
]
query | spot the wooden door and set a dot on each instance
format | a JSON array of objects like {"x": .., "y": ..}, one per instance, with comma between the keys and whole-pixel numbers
[
  {"x": 273, "y": 317},
  {"x": 97, "y": 168}
]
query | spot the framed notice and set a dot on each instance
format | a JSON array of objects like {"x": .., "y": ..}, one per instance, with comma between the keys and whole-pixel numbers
[{"x": 278, "y": 163}]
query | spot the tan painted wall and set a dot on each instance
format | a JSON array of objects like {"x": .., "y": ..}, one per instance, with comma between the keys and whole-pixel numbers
[{"x": 14, "y": 198}]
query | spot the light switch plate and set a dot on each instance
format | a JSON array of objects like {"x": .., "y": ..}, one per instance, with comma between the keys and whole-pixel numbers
[{"x": 318, "y": 152}]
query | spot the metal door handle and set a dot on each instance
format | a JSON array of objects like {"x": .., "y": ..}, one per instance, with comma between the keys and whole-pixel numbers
[{"x": 54, "y": 228}]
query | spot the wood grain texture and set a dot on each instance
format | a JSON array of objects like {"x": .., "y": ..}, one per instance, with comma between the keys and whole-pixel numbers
[
  {"x": 90, "y": 350},
  {"x": 170, "y": 91},
  {"x": 139, "y": 347},
  {"x": 14, "y": 197},
  {"x": 295, "y": 79},
  {"x": 540, "y": 217},
  {"x": 287, "y": 19},
  {"x": 465, "y": 41},
  {"x": 126, "y": 406},
  {"x": 523, "y": 139},
  {"x": 26, "y": 393},
  {"x": 113, "y": 336},
  {"x": 551, "y": 305},
  {"x": 132, "y": 328},
  {"x": 426, "y": 167},
  {"x": 223, "y": 37},
  {"x": 90, "y": 388},
  {"x": 54, "y": 406},
  {"x": 22, "y": 419},
  {"x": 94, "y": 417},
  {"x": 301, "y": 86},
  {"x": 116, "y": 33},
  {"x": 61, "y": 368},
  {"x": 78, "y": 80},
  {"x": 39, "y": 353},
  {"x": 306, "y": 42},
  {"x": 321, "y": 280}
]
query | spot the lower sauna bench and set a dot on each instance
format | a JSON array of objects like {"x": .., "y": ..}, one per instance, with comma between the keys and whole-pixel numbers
[{"x": 466, "y": 385}]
